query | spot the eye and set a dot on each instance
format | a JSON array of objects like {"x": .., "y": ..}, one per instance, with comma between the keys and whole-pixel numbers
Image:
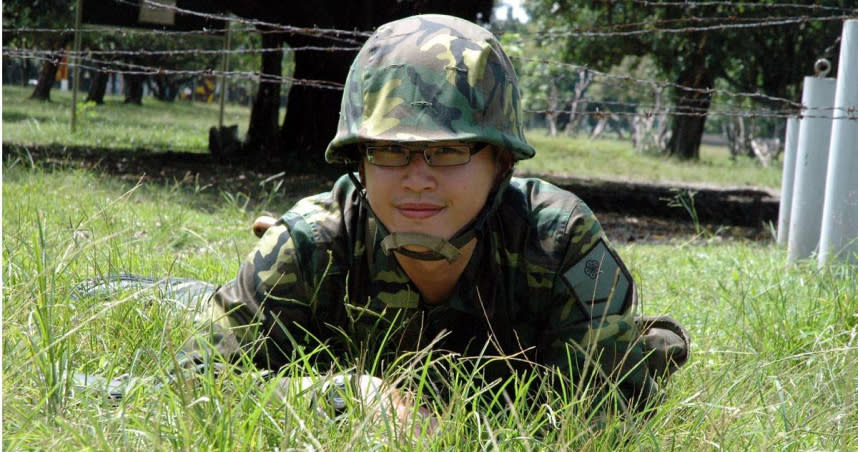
[
  {"x": 452, "y": 150},
  {"x": 387, "y": 155},
  {"x": 395, "y": 150}
]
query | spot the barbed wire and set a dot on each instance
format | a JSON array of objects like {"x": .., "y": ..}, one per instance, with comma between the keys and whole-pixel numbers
[
  {"x": 180, "y": 52},
  {"x": 757, "y": 23},
  {"x": 756, "y": 5},
  {"x": 633, "y": 109},
  {"x": 659, "y": 83},
  {"x": 607, "y": 30},
  {"x": 110, "y": 67},
  {"x": 653, "y": 84},
  {"x": 123, "y": 67},
  {"x": 711, "y": 113},
  {"x": 327, "y": 33},
  {"x": 87, "y": 28},
  {"x": 127, "y": 68}
]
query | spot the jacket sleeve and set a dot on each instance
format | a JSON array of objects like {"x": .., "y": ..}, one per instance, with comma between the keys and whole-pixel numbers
[
  {"x": 264, "y": 312},
  {"x": 592, "y": 334}
]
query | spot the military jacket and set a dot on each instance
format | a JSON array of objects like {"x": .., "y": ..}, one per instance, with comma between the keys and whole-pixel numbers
[{"x": 543, "y": 285}]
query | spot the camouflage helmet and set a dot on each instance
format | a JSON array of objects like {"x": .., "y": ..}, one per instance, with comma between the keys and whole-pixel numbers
[{"x": 430, "y": 78}]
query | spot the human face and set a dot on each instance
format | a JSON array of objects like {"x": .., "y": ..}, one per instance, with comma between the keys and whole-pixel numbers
[{"x": 437, "y": 201}]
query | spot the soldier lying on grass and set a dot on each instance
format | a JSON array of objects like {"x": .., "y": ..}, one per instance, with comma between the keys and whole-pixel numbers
[{"x": 429, "y": 241}]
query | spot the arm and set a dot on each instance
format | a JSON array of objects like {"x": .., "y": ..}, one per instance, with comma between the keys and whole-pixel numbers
[
  {"x": 258, "y": 312},
  {"x": 594, "y": 335}
]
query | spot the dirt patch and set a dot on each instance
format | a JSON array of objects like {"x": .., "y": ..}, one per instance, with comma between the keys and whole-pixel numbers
[{"x": 629, "y": 212}]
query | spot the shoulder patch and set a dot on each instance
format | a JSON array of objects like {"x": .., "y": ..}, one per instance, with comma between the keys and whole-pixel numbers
[{"x": 599, "y": 282}]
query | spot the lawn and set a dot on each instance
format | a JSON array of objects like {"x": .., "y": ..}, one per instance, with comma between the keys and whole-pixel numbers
[
  {"x": 156, "y": 125},
  {"x": 772, "y": 366}
]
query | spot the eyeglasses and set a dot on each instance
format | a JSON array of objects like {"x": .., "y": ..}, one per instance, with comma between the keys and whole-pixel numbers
[{"x": 434, "y": 154}]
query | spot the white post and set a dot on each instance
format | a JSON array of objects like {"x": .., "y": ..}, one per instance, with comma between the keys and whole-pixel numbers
[
  {"x": 787, "y": 178},
  {"x": 814, "y": 134},
  {"x": 839, "y": 236}
]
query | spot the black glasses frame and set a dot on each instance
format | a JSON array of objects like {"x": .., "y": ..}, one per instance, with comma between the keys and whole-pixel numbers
[{"x": 429, "y": 151}]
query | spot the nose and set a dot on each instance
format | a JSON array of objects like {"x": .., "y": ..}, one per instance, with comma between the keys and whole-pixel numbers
[{"x": 418, "y": 175}]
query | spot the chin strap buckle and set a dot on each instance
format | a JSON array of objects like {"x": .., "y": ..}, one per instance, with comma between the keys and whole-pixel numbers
[{"x": 438, "y": 247}]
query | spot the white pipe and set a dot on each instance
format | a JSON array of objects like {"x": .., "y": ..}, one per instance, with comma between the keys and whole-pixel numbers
[
  {"x": 839, "y": 236},
  {"x": 814, "y": 134},
  {"x": 787, "y": 178}
]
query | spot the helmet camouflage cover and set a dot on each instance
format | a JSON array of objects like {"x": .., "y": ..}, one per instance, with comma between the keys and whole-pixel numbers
[{"x": 430, "y": 78}]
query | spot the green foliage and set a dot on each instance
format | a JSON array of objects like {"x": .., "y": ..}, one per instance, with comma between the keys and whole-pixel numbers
[
  {"x": 702, "y": 45},
  {"x": 57, "y": 14}
]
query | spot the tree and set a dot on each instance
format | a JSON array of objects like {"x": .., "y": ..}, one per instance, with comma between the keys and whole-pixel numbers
[
  {"x": 695, "y": 44},
  {"x": 41, "y": 14},
  {"x": 554, "y": 92}
]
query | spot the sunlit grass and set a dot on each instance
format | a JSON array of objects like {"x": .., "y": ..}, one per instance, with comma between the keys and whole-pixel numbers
[
  {"x": 156, "y": 125},
  {"x": 614, "y": 159}
]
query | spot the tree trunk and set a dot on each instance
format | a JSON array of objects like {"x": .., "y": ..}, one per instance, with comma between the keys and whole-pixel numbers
[
  {"x": 26, "y": 79},
  {"x": 47, "y": 75},
  {"x": 98, "y": 87},
  {"x": 164, "y": 87},
  {"x": 691, "y": 105},
  {"x": 262, "y": 133},
  {"x": 134, "y": 89},
  {"x": 577, "y": 105},
  {"x": 645, "y": 135},
  {"x": 312, "y": 112},
  {"x": 686, "y": 137},
  {"x": 551, "y": 112}
]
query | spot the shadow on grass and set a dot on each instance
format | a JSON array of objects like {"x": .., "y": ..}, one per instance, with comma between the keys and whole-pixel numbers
[{"x": 204, "y": 177}]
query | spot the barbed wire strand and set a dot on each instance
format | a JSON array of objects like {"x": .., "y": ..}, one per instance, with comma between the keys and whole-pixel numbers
[
  {"x": 755, "y": 5},
  {"x": 583, "y": 33},
  {"x": 645, "y": 110},
  {"x": 307, "y": 31},
  {"x": 712, "y": 113},
  {"x": 659, "y": 83},
  {"x": 636, "y": 109},
  {"x": 135, "y": 69},
  {"x": 593, "y": 31},
  {"x": 316, "y": 32},
  {"x": 180, "y": 52},
  {"x": 113, "y": 66}
]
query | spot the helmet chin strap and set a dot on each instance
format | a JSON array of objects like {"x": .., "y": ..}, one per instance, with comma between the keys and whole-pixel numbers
[{"x": 438, "y": 248}]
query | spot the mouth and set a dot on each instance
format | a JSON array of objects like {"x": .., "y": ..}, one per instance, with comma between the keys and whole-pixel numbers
[{"x": 418, "y": 211}]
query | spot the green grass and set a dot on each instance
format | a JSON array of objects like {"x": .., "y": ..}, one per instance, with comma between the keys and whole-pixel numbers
[
  {"x": 772, "y": 368},
  {"x": 614, "y": 159},
  {"x": 155, "y": 126}
]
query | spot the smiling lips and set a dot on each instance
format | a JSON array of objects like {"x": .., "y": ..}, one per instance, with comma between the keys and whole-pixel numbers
[{"x": 418, "y": 211}]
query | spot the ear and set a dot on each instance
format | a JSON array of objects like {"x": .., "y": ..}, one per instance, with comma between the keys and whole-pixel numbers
[{"x": 503, "y": 162}]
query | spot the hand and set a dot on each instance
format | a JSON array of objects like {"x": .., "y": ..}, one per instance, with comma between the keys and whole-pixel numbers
[
  {"x": 422, "y": 421},
  {"x": 261, "y": 224},
  {"x": 382, "y": 397}
]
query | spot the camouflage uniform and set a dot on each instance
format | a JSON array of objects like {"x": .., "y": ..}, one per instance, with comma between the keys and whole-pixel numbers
[
  {"x": 543, "y": 280},
  {"x": 543, "y": 284}
]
